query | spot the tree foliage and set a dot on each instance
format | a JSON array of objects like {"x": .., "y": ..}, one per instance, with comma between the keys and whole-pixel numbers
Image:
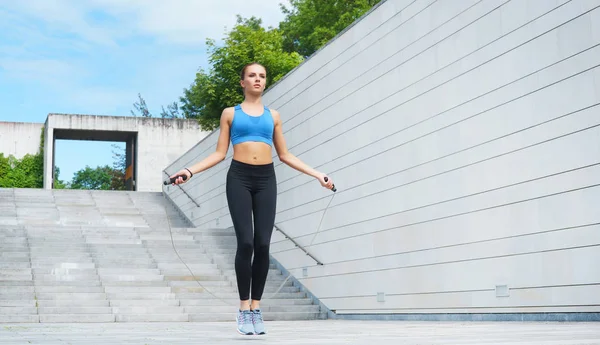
[
  {"x": 88, "y": 178},
  {"x": 27, "y": 172},
  {"x": 219, "y": 87},
  {"x": 141, "y": 109},
  {"x": 310, "y": 24}
]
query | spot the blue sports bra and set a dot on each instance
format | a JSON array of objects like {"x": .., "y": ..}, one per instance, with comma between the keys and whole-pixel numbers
[{"x": 245, "y": 127}]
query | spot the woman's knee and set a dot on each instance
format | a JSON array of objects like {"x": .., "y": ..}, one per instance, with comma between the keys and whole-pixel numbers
[
  {"x": 261, "y": 248},
  {"x": 245, "y": 248}
]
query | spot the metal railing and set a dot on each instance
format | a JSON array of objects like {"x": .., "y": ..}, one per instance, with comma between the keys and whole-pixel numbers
[{"x": 298, "y": 245}]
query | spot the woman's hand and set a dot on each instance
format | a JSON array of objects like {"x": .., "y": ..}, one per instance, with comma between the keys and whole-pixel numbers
[
  {"x": 327, "y": 184},
  {"x": 179, "y": 179}
]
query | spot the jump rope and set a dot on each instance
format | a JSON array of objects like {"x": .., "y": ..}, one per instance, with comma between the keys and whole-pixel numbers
[{"x": 172, "y": 180}]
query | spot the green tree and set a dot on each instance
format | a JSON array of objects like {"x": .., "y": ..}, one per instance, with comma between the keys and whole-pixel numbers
[
  {"x": 141, "y": 108},
  {"x": 117, "y": 175},
  {"x": 58, "y": 183},
  {"x": 97, "y": 179},
  {"x": 27, "y": 172},
  {"x": 172, "y": 111},
  {"x": 310, "y": 24},
  {"x": 219, "y": 87}
]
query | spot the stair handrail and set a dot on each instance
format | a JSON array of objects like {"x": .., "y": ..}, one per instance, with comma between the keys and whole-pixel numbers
[{"x": 298, "y": 245}]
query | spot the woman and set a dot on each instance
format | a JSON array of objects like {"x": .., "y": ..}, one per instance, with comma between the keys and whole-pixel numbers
[{"x": 251, "y": 187}]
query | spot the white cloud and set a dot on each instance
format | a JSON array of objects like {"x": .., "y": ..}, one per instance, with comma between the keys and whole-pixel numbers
[
  {"x": 96, "y": 55},
  {"x": 62, "y": 17},
  {"x": 187, "y": 22}
]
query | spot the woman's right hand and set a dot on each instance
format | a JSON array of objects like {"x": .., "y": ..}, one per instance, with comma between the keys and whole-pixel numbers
[{"x": 179, "y": 179}]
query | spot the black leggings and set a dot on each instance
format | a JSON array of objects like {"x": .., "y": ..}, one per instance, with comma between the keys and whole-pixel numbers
[{"x": 252, "y": 191}]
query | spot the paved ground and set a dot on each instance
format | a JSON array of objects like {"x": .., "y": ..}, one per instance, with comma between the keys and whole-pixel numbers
[{"x": 297, "y": 333}]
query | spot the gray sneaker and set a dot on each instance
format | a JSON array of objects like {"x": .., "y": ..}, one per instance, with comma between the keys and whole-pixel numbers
[
  {"x": 257, "y": 321},
  {"x": 244, "y": 322}
]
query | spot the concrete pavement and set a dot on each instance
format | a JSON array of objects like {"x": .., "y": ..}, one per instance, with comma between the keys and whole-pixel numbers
[{"x": 306, "y": 332}]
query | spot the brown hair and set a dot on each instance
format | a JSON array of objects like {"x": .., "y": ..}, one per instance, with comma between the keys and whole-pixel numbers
[{"x": 243, "y": 73}]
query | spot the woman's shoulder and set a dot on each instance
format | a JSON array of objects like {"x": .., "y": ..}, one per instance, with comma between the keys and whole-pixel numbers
[
  {"x": 227, "y": 114},
  {"x": 228, "y": 111},
  {"x": 274, "y": 113}
]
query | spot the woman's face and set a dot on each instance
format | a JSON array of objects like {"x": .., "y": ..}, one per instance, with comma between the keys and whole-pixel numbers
[{"x": 255, "y": 79}]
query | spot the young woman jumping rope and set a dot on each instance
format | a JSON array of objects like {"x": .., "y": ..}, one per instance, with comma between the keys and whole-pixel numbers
[{"x": 251, "y": 187}]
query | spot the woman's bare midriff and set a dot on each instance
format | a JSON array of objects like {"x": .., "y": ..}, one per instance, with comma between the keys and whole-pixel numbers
[{"x": 251, "y": 152}]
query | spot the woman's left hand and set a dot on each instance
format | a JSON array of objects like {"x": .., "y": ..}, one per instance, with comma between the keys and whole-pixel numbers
[{"x": 328, "y": 184}]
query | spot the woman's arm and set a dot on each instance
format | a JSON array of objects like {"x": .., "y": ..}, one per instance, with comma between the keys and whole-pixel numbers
[
  {"x": 215, "y": 157},
  {"x": 288, "y": 158}
]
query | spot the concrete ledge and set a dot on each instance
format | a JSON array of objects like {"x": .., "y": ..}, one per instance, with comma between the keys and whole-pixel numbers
[{"x": 526, "y": 317}]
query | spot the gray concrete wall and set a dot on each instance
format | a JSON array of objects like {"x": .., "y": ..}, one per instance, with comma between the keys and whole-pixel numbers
[
  {"x": 20, "y": 138},
  {"x": 159, "y": 141},
  {"x": 464, "y": 139}
]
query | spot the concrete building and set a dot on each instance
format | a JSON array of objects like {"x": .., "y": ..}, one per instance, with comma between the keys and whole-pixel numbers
[
  {"x": 20, "y": 138},
  {"x": 463, "y": 138},
  {"x": 151, "y": 143}
]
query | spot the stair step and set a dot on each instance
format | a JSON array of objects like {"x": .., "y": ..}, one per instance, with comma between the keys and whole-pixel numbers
[
  {"x": 137, "y": 289},
  {"x": 151, "y": 318},
  {"x": 15, "y": 283},
  {"x": 16, "y": 249},
  {"x": 69, "y": 289},
  {"x": 74, "y": 310},
  {"x": 13, "y": 259},
  {"x": 14, "y": 277},
  {"x": 141, "y": 296},
  {"x": 64, "y": 265},
  {"x": 15, "y": 295},
  {"x": 65, "y": 277},
  {"x": 19, "y": 255},
  {"x": 129, "y": 271},
  {"x": 71, "y": 296},
  {"x": 19, "y": 318},
  {"x": 148, "y": 309},
  {"x": 18, "y": 310},
  {"x": 66, "y": 303},
  {"x": 17, "y": 303},
  {"x": 96, "y": 282},
  {"x": 136, "y": 283},
  {"x": 193, "y": 266},
  {"x": 11, "y": 265},
  {"x": 195, "y": 277},
  {"x": 76, "y": 318},
  {"x": 131, "y": 277},
  {"x": 64, "y": 271},
  {"x": 144, "y": 303}
]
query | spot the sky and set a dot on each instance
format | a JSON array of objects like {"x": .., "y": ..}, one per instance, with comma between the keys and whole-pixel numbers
[{"x": 95, "y": 56}]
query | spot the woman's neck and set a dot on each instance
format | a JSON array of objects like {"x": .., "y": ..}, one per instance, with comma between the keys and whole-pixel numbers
[{"x": 253, "y": 99}]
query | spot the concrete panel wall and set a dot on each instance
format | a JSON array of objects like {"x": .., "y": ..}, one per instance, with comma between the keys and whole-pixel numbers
[
  {"x": 464, "y": 139},
  {"x": 20, "y": 138},
  {"x": 159, "y": 141}
]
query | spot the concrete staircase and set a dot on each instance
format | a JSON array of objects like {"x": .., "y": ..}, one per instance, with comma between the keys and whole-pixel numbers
[{"x": 99, "y": 256}]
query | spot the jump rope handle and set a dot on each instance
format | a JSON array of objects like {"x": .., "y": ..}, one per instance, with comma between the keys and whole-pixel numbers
[
  {"x": 172, "y": 180},
  {"x": 333, "y": 189}
]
